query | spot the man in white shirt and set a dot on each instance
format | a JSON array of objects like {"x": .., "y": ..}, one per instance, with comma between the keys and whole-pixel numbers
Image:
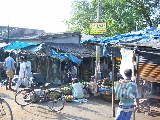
[
  {"x": 77, "y": 89},
  {"x": 28, "y": 71},
  {"x": 22, "y": 73},
  {"x": 28, "y": 67}
]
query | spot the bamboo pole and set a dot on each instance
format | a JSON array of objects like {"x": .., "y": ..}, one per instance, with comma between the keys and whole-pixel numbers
[
  {"x": 133, "y": 79},
  {"x": 113, "y": 77}
]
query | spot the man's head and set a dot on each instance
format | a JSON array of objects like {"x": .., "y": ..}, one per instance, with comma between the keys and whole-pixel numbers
[
  {"x": 11, "y": 54},
  {"x": 128, "y": 73},
  {"x": 92, "y": 78},
  {"x": 25, "y": 58},
  {"x": 21, "y": 58},
  {"x": 75, "y": 80}
]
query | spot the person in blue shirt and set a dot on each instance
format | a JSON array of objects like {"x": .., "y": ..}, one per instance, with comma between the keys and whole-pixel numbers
[{"x": 10, "y": 69}]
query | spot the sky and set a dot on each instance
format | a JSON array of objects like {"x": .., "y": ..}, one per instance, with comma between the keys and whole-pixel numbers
[{"x": 44, "y": 15}]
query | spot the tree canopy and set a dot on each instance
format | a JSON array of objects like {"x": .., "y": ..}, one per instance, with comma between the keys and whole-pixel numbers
[{"x": 121, "y": 16}]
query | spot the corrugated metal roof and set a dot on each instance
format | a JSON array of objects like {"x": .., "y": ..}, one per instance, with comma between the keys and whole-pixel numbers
[{"x": 75, "y": 49}]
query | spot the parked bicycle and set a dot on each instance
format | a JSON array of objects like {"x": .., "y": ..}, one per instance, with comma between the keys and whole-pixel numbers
[
  {"x": 54, "y": 98},
  {"x": 5, "y": 110}
]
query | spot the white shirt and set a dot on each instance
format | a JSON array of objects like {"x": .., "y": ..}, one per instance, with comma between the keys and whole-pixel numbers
[
  {"x": 77, "y": 90},
  {"x": 110, "y": 75},
  {"x": 74, "y": 70},
  {"x": 22, "y": 71},
  {"x": 28, "y": 69}
]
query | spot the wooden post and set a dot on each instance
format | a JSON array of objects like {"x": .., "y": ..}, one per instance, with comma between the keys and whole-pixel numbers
[
  {"x": 47, "y": 70},
  {"x": 113, "y": 77},
  {"x": 60, "y": 72},
  {"x": 133, "y": 78}
]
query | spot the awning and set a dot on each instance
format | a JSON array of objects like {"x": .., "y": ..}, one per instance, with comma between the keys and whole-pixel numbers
[
  {"x": 17, "y": 45},
  {"x": 142, "y": 38}
]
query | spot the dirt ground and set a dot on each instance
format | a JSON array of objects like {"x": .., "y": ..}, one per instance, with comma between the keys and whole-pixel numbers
[{"x": 95, "y": 109}]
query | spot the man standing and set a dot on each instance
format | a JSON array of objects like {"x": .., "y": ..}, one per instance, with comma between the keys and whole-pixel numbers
[
  {"x": 74, "y": 71},
  {"x": 22, "y": 73},
  {"x": 126, "y": 91},
  {"x": 93, "y": 86},
  {"x": 10, "y": 69}
]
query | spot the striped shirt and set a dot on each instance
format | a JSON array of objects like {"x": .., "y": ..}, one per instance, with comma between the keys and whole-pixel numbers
[{"x": 126, "y": 92}]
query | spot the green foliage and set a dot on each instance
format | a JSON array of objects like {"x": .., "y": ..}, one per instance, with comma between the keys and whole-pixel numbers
[
  {"x": 147, "y": 9},
  {"x": 121, "y": 16}
]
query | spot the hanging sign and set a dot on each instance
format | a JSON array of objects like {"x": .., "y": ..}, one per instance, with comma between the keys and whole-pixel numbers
[{"x": 97, "y": 28}]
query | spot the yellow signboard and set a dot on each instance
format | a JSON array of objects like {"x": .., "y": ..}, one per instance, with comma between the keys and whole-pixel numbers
[{"x": 97, "y": 28}]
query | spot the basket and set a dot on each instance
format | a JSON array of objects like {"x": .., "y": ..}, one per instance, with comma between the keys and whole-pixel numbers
[
  {"x": 67, "y": 98},
  {"x": 65, "y": 91},
  {"x": 62, "y": 86},
  {"x": 106, "y": 92},
  {"x": 86, "y": 96}
]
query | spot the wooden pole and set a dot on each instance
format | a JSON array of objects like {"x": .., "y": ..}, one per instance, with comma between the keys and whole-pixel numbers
[
  {"x": 60, "y": 71},
  {"x": 97, "y": 74},
  {"x": 113, "y": 77},
  {"x": 133, "y": 78}
]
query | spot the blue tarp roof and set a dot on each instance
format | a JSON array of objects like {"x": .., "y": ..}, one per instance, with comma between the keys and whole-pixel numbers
[
  {"x": 136, "y": 37},
  {"x": 35, "y": 48},
  {"x": 17, "y": 45}
]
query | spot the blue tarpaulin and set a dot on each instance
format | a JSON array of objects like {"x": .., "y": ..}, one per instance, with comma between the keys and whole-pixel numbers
[
  {"x": 67, "y": 55},
  {"x": 35, "y": 47},
  {"x": 141, "y": 36},
  {"x": 71, "y": 57},
  {"x": 17, "y": 45},
  {"x": 64, "y": 55}
]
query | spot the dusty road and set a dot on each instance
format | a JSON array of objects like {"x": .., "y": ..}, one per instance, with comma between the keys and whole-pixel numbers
[{"x": 94, "y": 109}]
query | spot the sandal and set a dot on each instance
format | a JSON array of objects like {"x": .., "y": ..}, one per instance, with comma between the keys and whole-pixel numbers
[{"x": 137, "y": 109}]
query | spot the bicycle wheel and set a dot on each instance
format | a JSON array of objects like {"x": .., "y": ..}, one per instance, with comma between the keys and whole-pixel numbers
[
  {"x": 5, "y": 110},
  {"x": 24, "y": 97},
  {"x": 55, "y": 100}
]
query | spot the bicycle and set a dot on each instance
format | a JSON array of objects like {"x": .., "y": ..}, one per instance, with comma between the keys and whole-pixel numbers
[
  {"x": 54, "y": 98},
  {"x": 5, "y": 110}
]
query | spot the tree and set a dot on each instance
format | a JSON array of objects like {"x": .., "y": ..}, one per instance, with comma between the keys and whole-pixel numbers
[
  {"x": 121, "y": 16},
  {"x": 148, "y": 9}
]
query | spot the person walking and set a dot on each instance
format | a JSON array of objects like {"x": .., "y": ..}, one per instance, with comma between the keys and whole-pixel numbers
[
  {"x": 10, "y": 69},
  {"x": 126, "y": 91},
  {"x": 28, "y": 71},
  {"x": 22, "y": 73}
]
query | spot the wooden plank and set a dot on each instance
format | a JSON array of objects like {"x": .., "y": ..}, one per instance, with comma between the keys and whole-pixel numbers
[{"x": 152, "y": 96}]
